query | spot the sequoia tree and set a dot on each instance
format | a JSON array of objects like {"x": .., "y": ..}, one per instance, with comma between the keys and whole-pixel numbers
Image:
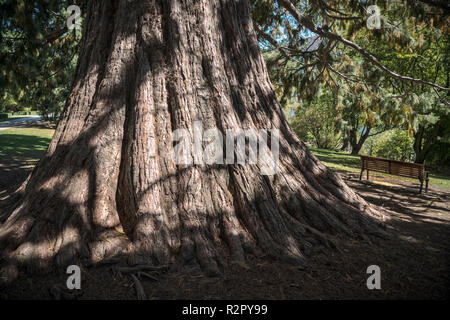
[{"x": 107, "y": 185}]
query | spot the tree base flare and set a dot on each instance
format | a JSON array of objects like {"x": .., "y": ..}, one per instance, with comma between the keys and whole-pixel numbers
[{"x": 108, "y": 186}]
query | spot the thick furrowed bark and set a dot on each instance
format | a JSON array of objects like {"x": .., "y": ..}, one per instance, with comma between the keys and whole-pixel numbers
[{"x": 108, "y": 183}]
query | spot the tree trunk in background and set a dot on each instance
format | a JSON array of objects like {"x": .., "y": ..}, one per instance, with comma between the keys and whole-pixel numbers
[
  {"x": 107, "y": 184},
  {"x": 345, "y": 143},
  {"x": 423, "y": 142},
  {"x": 356, "y": 143}
]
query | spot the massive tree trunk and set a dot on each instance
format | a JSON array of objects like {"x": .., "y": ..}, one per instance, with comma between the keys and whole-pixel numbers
[{"x": 107, "y": 184}]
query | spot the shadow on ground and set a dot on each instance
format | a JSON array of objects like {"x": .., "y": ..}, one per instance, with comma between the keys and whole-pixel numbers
[{"x": 414, "y": 262}]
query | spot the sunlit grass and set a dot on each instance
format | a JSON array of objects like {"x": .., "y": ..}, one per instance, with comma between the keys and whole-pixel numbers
[{"x": 24, "y": 143}]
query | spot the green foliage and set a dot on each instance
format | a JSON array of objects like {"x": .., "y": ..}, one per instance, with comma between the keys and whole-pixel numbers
[
  {"x": 394, "y": 144},
  {"x": 427, "y": 110},
  {"x": 315, "y": 121},
  {"x": 439, "y": 155},
  {"x": 412, "y": 41},
  {"x": 37, "y": 54}
]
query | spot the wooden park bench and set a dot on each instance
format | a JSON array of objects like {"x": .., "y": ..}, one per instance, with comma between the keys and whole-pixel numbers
[{"x": 395, "y": 167}]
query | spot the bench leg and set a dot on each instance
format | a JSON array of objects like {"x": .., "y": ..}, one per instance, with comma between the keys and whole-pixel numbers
[
  {"x": 367, "y": 174},
  {"x": 360, "y": 176},
  {"x": 426, "y": 185},
  {"x": 421, "y": 185}
]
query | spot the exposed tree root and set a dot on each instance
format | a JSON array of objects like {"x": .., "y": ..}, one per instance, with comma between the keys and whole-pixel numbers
[
  {"x": 146, "y": 276},
  {"x": 140, "y": 292},
  {"x": 58, "y": 292},
  {"x": 140, "y": 268}
]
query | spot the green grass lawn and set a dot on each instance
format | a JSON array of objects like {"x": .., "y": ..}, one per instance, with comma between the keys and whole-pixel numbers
[
  {"x": 343, "y": 162},
  {"x": 24, "y": 143}
]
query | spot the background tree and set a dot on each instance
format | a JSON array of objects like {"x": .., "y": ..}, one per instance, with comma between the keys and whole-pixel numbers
[
  {"x": 38, "y": 53},
  {"x": 365, "y": 67},
  {"x": 316, "y": 121},
  {"x": 392, "y": 144}
]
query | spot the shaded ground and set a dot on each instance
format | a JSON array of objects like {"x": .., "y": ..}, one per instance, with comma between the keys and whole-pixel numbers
[{"x": 414, "y": 262}]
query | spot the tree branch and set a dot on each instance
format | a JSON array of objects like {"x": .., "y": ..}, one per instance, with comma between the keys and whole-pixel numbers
[
  {"x": 282, "y": 49},
  {"x": 307, "y": 23},
  {"x": 439, "y": 4},
  {"x": 325, "y": 7}
]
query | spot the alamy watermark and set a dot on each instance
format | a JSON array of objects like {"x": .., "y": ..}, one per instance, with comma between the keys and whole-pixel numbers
[
  {"x": 374, "y": 19},
  {"x": 74, "y": 280},
  {"x": 74, "y": 19},
  {"x": 242, "y": 146},
  {"x": 374, "y": 281}
]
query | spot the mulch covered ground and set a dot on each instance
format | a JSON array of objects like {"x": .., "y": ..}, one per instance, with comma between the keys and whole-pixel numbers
[{"x": 414, "y": 262}]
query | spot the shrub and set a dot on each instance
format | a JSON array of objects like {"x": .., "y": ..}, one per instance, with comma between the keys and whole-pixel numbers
[
  {"x": 315, "y": 122},
  {"x": 394, "y": 144}
]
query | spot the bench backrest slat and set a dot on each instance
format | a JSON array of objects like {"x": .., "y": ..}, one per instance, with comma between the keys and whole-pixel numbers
[{"x": 406, "y": 169}]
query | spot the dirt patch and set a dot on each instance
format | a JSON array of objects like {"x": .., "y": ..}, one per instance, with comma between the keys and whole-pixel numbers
[{"x": 414, "y": 262}]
